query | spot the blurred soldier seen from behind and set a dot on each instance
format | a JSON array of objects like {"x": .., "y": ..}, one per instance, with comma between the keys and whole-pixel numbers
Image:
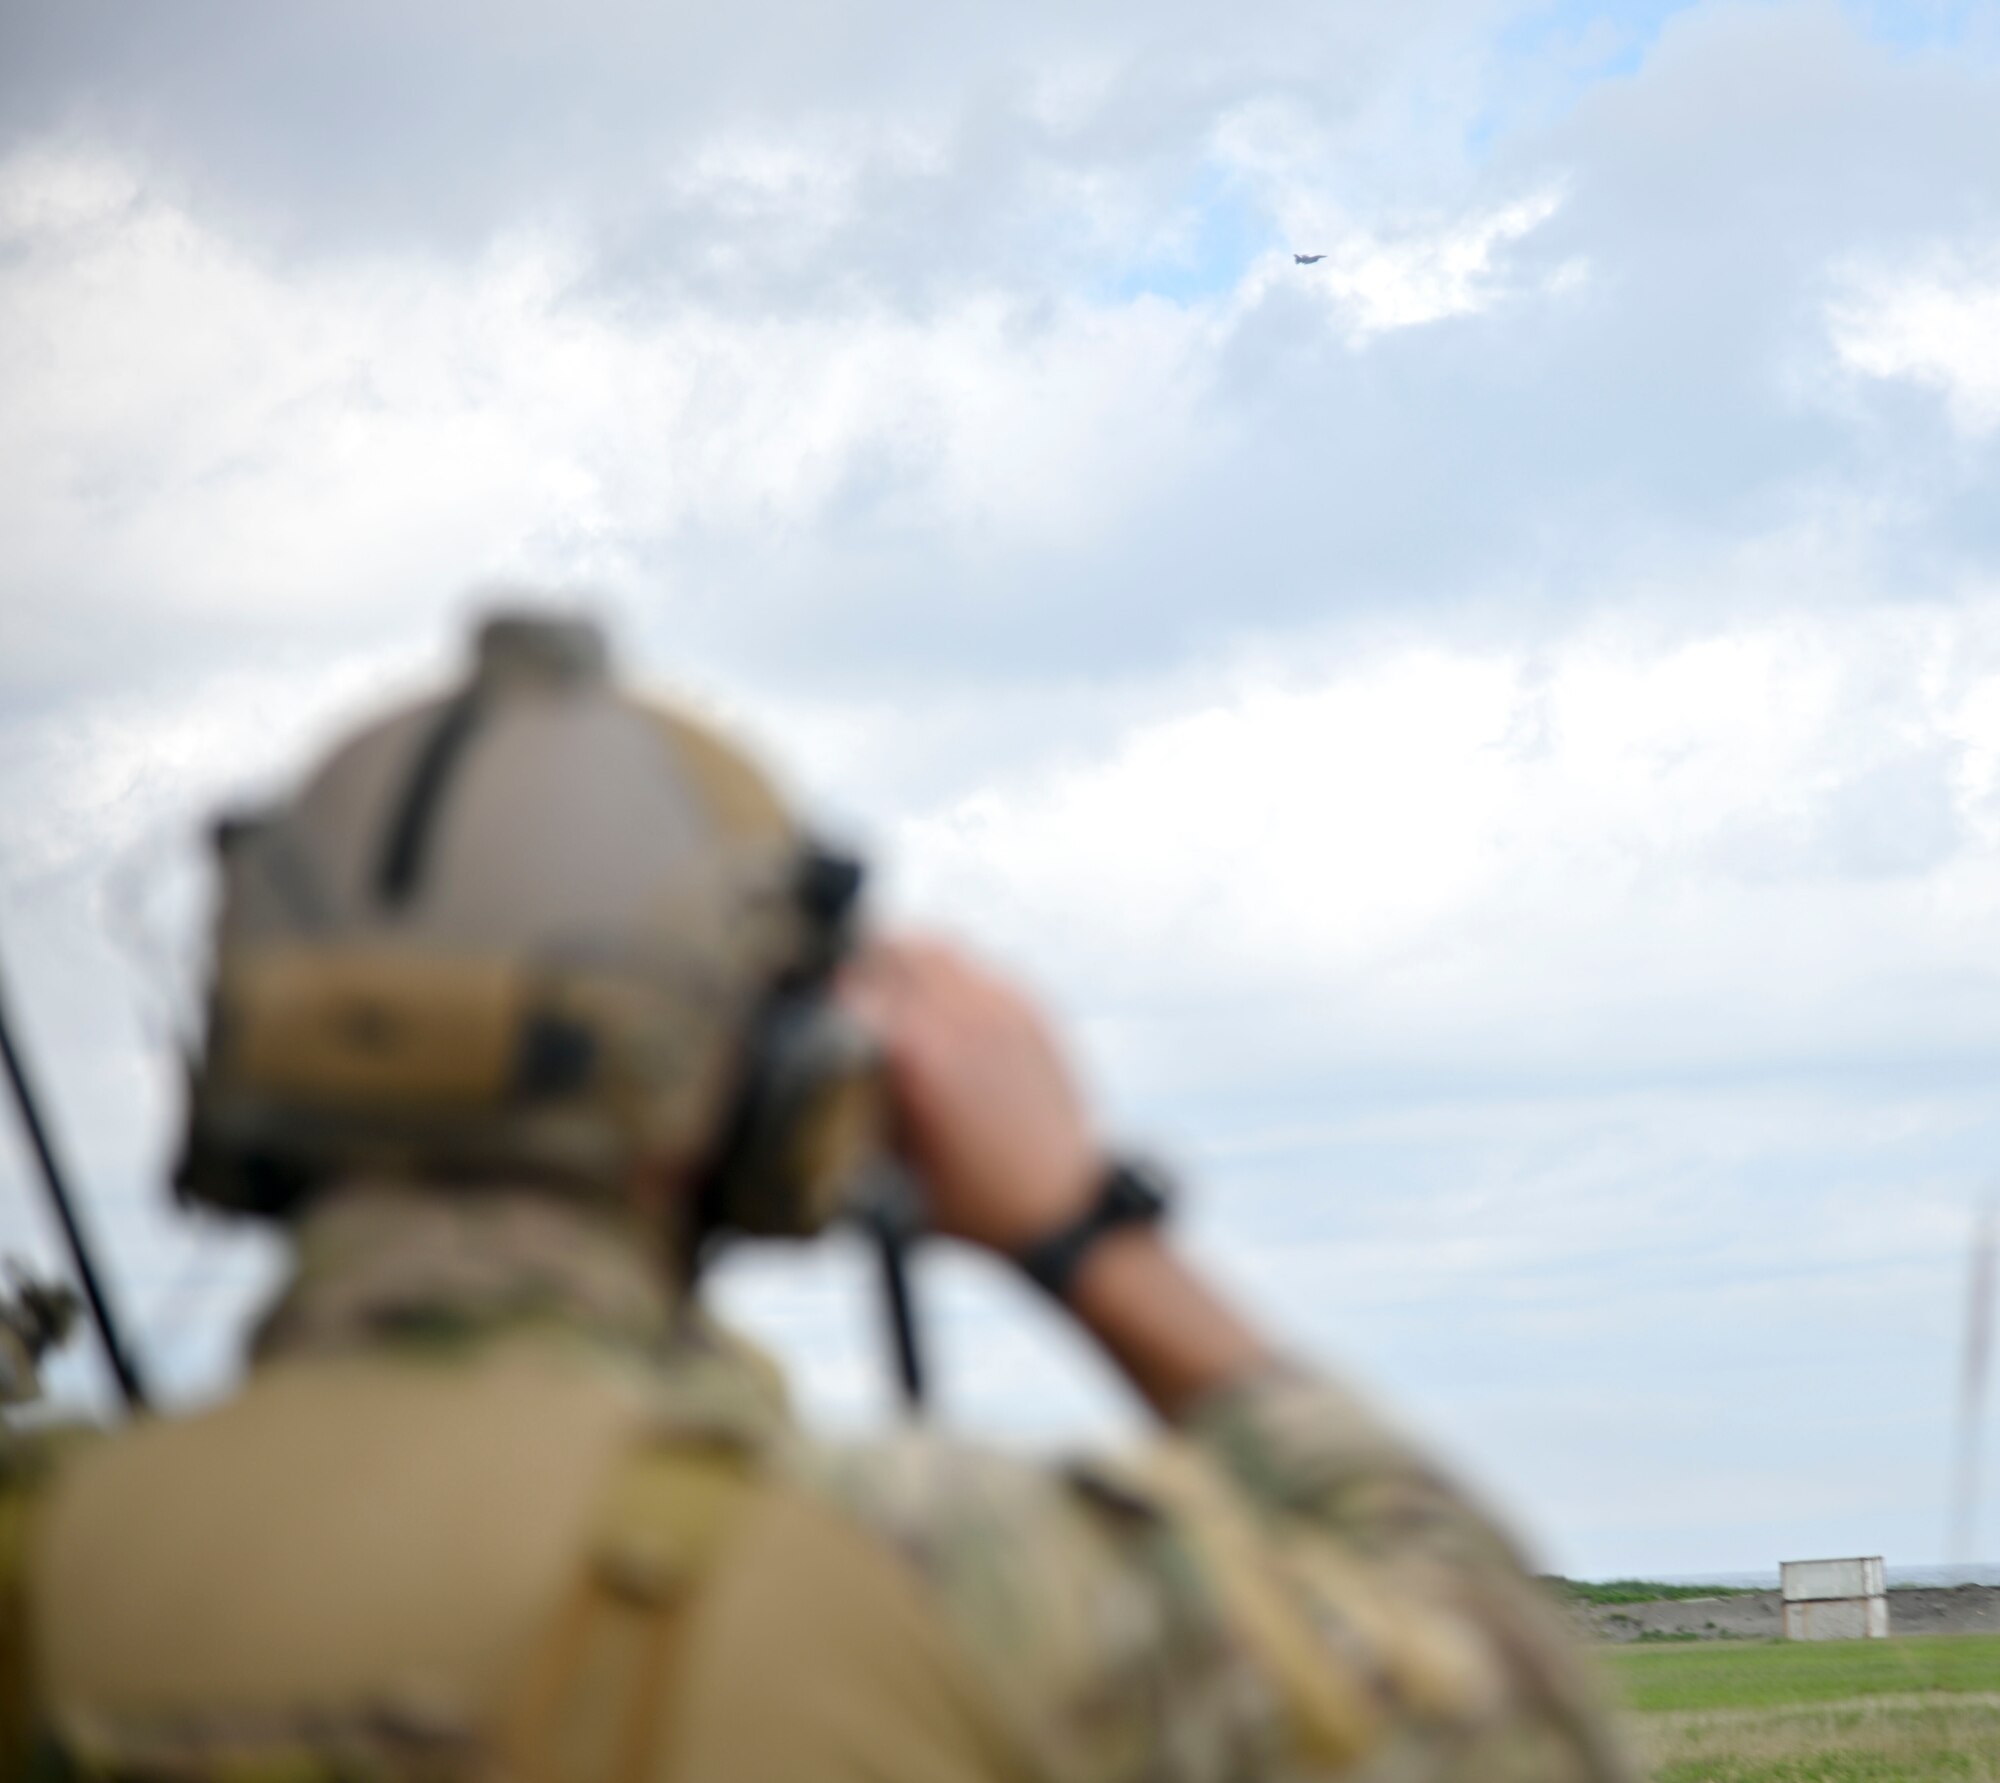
[{"x": 530, "y": 993}]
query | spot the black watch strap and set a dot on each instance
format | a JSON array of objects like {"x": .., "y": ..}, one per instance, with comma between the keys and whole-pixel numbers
[{"x": 1128, "y": 1194}]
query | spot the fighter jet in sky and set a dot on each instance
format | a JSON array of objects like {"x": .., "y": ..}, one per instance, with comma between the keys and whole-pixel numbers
[{"x": 1306, "y": 259}]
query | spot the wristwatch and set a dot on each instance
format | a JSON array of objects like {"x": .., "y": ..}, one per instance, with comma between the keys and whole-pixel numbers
[{"x": 1129, "y": 1193}]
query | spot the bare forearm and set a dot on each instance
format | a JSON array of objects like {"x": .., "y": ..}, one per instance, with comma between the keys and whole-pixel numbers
[
  {"x": 1172, "y": 1334},
  {"x": 996, "y": 1130}
]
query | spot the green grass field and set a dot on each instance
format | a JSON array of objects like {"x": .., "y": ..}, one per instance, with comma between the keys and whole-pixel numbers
[{"x": 1823, "y": 1712}]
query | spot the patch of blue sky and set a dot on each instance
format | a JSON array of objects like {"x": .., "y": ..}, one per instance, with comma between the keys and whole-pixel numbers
[
  {"x": 1604, "y": 40},
  {"x": 1921, "y": 24},
  {"x": 1546, "y": 58},
  {"x": 1609, "y": 38},
  {"x": 1549, "y": 56},
  {"x": 1223, "y": 230}
]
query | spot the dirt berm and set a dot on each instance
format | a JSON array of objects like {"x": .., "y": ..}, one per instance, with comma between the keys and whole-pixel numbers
[{"x": 1758, "y": 1615}]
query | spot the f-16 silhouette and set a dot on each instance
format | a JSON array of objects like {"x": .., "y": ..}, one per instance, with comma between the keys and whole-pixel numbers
[{"x": 1306, "y": 259}]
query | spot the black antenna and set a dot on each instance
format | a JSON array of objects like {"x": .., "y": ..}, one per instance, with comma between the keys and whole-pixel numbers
[
  {"x": 893, "y": 1216},
  {"x": 895, "y": 1253},
  {"x": 122, "y": 1367}
]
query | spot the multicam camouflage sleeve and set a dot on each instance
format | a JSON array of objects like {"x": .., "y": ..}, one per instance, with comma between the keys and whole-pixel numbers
[
  {"x": 1413, "y": 1597},
  {"x": 1281, "y": 1589}
]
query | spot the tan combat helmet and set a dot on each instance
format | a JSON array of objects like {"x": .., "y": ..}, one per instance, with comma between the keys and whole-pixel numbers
[{"x": 534, "y": 930}]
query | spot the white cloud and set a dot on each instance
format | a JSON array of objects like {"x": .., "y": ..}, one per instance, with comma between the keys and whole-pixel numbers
[
  {"x": 1937, "y": 325},
  {"x": 1397, "y": 268},
  {"x": 202, "y": 429},
  {"x": 1403, "y": 281},
  {"x": 1623, "y": 832}
]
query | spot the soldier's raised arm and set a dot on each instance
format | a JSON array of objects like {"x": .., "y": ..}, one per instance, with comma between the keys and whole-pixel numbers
[{"x": 1282, "y": 1584}]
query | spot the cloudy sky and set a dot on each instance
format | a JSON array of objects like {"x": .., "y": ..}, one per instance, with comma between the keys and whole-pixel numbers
[{"x": 1492, "y": 740}]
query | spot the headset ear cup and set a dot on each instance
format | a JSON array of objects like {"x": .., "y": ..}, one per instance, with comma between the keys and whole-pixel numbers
[{"x": 811, "y": 1115}]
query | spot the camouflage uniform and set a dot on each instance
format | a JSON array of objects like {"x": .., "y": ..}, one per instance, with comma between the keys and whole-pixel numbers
[{"x": 490, "y": 1505}]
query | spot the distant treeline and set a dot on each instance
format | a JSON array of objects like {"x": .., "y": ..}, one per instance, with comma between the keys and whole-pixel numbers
[{"x": 1636, "y": 1590}]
